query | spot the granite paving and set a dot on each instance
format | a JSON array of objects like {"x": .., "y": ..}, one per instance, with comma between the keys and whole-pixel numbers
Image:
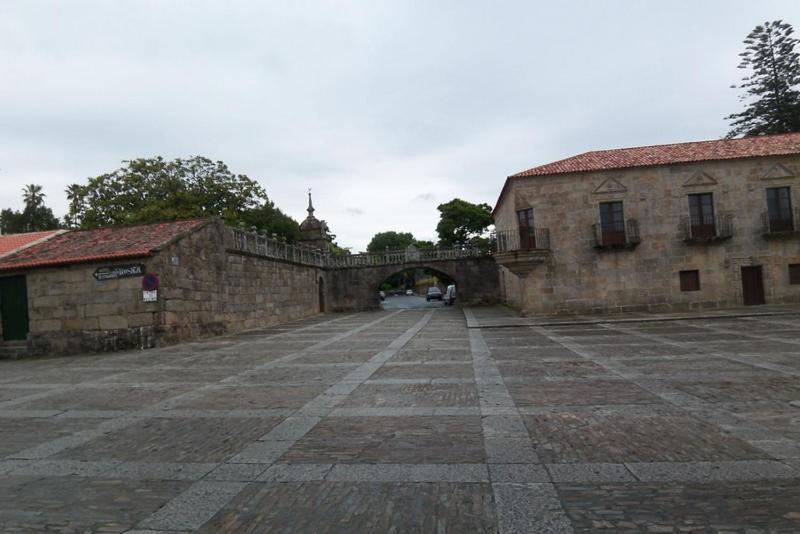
[{"x": 427, "y": 420}]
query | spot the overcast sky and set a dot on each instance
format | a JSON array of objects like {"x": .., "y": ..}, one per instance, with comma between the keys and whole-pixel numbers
[{"x": 385, "y": 109}]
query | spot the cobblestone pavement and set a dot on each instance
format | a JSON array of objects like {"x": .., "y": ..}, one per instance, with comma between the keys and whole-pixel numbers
[{"x": 409, "y": 421}]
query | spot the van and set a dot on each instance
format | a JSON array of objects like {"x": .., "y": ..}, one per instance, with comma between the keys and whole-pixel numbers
[{"x": 450, "y": 295}]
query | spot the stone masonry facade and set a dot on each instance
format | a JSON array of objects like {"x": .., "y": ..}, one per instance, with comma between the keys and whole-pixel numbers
[
  {"x": 576, "y": 277},
  {"x": 206, "y": 289}
]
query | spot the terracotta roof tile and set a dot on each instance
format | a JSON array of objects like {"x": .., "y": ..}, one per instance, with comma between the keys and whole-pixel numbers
[
  {"x": 99, "y": 245},
  {"x": 646, "y": 156},
  {"x": 12, "y": 242}
]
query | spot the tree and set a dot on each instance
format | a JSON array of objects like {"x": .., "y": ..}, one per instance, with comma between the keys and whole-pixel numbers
[
  {"x": 771, "y": 89},
  {"x": 460, "y": 222},
  {"x": 391, "y": 240},
  {"x": 270, "y": 219},
  {"x": 150, "y": 190},
  {"x": 34, "y": 217}
]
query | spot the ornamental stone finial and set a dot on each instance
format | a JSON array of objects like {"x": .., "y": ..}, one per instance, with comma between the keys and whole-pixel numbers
[{"x": 310, "y": 205}]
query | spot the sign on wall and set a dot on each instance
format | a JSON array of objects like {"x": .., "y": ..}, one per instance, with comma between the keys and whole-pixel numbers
[{"x": 116, "y": 272}]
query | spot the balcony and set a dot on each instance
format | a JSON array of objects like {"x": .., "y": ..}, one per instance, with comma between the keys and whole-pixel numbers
[
  {"x": 707, "y": 229},
  {"x": 780, "y": 227},
  {"x": 520, "y": 251},
  {"x": 621, "y": 237}
]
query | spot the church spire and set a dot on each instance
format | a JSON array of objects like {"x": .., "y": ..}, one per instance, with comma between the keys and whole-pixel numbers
[{"x": 310, "y": 205}]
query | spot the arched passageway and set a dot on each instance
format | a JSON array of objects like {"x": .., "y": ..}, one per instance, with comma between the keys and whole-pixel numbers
[{"x": 414, "y": 287}]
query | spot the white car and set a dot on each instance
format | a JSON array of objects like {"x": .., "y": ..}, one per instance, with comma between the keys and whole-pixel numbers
[{"x": 409, "y": 292}]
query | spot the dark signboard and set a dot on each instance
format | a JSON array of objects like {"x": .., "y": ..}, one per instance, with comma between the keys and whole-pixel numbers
[{"x": 118, "y": 271}]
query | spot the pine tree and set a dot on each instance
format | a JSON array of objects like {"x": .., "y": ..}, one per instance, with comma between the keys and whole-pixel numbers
[{"x": 771, "y": 89}]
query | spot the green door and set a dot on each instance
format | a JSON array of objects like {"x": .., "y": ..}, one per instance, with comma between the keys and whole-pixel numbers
[{"x": 14, "y": 307}]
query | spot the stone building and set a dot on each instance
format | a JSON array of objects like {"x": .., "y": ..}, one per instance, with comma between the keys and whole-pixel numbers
[
  {"x": 656, "y": 228},
  {"x": 140, "y": 286}
]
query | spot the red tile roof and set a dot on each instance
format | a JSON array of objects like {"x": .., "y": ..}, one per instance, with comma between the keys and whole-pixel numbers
[
  {"x": 12, "y": 242},
  {"x": 99, "y": 245},
  {"x": 647, "y": 156}
]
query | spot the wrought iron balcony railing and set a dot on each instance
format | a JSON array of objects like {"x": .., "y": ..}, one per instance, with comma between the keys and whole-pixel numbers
[
  {"x": 521, "y": 239},
  {"x": 776, "y": 226},
  {"x": 707, "y": 228},
  {"x": 616, "y": 236}
]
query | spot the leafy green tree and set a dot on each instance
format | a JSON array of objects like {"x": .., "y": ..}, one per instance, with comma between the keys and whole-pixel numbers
[
  {"x": 391, "y": 240},
  {"x": 771, "y": 89},
  {"x": 34, "y": 217},
  {"x": 152, "y": 189},
  {"x": 271, "y": 220},
  {"x": 461, "y": 221},
  {"x": 425, "y": 245}
]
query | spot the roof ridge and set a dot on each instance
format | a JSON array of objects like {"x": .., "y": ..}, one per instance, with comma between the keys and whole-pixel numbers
[{"x": 700, "y": 142}]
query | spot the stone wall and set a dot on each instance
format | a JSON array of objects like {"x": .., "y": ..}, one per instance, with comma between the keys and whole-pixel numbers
[
  {"x": 205, "y": 289},
  {"x": 578, "y": 278},
  {"x": 72, "y": 312},
  {"x": 208, "y": 289}
]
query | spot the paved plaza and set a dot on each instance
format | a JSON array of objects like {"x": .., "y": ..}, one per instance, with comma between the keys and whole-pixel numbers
[{"x": 414, "y": 421}]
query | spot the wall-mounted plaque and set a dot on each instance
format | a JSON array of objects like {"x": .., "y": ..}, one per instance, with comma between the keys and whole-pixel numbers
[{"x": 115, "y": 272}]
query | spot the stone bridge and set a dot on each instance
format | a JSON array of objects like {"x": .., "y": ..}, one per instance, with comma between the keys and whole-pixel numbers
[{"x": 352, "y": 282}]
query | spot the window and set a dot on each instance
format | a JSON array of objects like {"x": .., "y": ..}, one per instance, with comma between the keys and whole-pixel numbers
[
  {"x": 690, "y": 280},
  {"x": 779, "y": 209},
  {"x": 701, "y": 215},
  {"x": 612, "y": 223},
  {"x": 527, "y": 232},
  {"x": 794, "y": 273}
]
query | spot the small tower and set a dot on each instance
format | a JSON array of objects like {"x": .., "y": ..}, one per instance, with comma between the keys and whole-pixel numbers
[{"x": 314, "y": 232}]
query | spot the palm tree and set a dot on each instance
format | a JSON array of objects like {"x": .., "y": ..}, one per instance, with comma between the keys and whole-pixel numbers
[{"x": 32, "y": 195}]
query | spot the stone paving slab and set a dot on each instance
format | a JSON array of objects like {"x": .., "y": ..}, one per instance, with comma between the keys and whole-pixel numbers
[
  {"x": 410, "y": 421},
  {"x": 758, "y": 506}
]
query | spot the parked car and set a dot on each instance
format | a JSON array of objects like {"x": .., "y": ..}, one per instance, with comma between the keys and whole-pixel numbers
[
  {"x": 409, "y": 292},
  {"x": 433, "y": 293},
  {"x": 450, "y": 295}
]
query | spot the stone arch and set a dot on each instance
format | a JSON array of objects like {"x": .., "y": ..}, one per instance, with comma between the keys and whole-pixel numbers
[
  {"x": 396, "y": 269},
  {"x": 356, "y": 288}
]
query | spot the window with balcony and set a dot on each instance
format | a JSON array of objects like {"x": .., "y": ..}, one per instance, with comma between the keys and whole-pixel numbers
[
  {"x": 779, "y": 210},
  {"x": 612, "y": 224},
  {"x": 701, "y": 216},
  {"x": 527, "y": 231}
]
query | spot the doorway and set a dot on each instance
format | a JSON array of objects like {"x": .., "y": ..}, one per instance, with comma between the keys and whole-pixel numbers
[
  {"x": 321, "y": 290},
  {"x": 753, "y": 285},
  {"x": 14, "y": 308}
]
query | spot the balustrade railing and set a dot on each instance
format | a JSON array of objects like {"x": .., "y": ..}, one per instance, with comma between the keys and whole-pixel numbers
[
  {"x": 271, "y": 247},
  {"x": 774, "y": 225},
  {"x": 707, "y": 228},
  {"x": 613, "y": 236},
  {"x": 517, "y": 239}
]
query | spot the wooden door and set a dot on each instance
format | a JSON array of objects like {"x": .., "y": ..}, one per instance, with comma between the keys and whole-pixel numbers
[
  {"x": 612, "y": 224},
  {"x": 527, "y": 233},
  {"x": 753, "y": 285},
  {"x": 14, "y": 307}
]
